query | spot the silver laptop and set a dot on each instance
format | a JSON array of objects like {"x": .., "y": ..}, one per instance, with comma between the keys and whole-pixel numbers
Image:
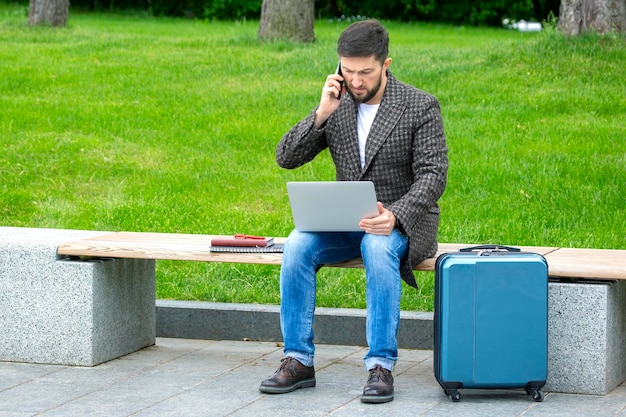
[{"x": 331, "y": 206}]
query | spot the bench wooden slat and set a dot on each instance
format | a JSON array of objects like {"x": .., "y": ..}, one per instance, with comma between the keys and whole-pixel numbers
[
  {"x": 562, "y": 262},
  {"x": 588, "y": 263},
  {"x": 166, "y": 246},
  {"x": 189, "y": 247}
]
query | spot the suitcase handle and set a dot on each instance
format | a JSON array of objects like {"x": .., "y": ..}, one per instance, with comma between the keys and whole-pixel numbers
[{"x": 495, "y": 248}]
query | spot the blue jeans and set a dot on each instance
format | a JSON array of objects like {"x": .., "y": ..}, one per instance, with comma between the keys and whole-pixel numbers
[{"x": 304, "y": 253}]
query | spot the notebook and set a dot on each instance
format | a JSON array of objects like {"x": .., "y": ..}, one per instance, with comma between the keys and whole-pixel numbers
[
  {"x": 331, "y": 206},
  {"x": 275, "y": 248}
]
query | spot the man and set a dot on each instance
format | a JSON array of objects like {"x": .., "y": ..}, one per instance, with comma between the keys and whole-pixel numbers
[{"x": 382, "y": 131}]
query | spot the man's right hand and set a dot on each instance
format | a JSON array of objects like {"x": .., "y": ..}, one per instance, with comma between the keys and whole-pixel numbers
[{"x": 330, "y": 100}]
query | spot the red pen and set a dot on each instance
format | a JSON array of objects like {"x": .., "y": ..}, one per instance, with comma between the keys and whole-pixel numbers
[{"x": 240, "y": 236}]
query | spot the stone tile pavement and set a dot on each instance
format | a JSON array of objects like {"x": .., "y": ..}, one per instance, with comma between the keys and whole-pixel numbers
[{"x": 185, "y": 377}]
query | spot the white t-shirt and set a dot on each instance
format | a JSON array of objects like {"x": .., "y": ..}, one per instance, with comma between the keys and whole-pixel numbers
[{"x": 364, "y": 120}]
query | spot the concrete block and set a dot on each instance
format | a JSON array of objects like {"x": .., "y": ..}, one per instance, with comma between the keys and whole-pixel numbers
[
  {"x": 71, "y": 312},
  {"x": 587, "y": 336}
]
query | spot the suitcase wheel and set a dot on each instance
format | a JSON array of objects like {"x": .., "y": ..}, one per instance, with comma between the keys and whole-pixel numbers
[
  {"x": 454, "y": 394},
  {"x": 536, "y": 394}
]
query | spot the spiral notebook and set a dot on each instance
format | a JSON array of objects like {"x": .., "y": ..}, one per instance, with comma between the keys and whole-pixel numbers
[{"x": 275, "y": 248}]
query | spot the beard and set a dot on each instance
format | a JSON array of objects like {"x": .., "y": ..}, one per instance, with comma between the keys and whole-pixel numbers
[{"x": 368, "y": 94}]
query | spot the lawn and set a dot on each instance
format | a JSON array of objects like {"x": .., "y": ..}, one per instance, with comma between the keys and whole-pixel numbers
[{"x": 135, "y": 123}]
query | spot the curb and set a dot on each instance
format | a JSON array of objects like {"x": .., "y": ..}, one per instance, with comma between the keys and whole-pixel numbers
[{"x": 231, "y": 321}]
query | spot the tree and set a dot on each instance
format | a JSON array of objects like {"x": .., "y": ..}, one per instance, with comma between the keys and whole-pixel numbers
[
  {"x": 602, "y": 16},
  {"x": 287, "y": 19},
  {"x": 52, "y": 12}
]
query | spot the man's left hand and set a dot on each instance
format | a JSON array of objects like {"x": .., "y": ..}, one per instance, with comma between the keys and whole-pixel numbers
[{"x": 382, "y": 224}]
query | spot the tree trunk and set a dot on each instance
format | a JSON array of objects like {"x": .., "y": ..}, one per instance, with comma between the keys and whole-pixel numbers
[
  {"x": 287, "y": 20},
  {"x": 52, "y": 12},
  {"x": 602, "y": 16}
]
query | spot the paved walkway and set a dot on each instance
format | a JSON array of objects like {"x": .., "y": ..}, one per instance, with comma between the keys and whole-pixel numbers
[{"x": 180, "y": 377}]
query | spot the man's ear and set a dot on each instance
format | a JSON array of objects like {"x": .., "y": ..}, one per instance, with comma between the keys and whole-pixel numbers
[{"x": 386, "y": 64}]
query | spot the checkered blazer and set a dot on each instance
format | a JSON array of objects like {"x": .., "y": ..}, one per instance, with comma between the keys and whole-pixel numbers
[{"x": 405, "y": 157}]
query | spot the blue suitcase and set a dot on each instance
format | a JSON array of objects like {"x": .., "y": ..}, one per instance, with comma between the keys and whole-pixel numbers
[{"x": 491, "y": 320}]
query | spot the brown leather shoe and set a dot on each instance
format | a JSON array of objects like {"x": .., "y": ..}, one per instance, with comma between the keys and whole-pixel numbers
[
  {"x": 290, "y": 376},
  {"x": 379, "y": 386}
]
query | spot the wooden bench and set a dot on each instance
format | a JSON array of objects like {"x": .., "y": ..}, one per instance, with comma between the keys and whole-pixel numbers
[
  {"x": 586, "y": 306},
  {"x": 600, "y": 264},
  {"x": 85, "y": 297}
]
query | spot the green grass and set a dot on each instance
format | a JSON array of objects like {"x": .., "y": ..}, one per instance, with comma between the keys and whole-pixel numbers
[{"x": 150, "y": 124}]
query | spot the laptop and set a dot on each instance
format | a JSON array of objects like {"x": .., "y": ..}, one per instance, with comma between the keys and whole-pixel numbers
[{"x": 331, "y": 206}]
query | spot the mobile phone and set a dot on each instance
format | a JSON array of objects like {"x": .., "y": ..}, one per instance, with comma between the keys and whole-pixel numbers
[{"x": 338, "y": 71}]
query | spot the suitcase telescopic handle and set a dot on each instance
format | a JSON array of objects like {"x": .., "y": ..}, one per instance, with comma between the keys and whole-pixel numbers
[{"x": 493, "y": 248}]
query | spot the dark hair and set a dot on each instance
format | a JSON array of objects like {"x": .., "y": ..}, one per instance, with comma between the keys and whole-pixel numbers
[{"x": 363, "y": 39}]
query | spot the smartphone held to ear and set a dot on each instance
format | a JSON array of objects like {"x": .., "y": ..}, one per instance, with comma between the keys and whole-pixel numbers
[{"x": 338, "y": 71}]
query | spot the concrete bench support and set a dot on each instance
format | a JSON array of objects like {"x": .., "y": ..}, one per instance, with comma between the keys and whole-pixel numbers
[
  {"x": 70, "y": 312},
  {"x": 586, "y": 336}
]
